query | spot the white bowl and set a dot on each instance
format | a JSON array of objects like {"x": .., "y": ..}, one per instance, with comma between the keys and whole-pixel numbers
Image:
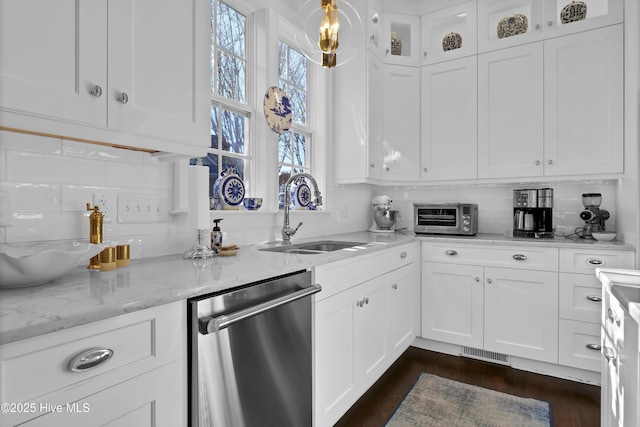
[
  {"x": 36, "y": 264},
  {"x": 604, "y": 236}
]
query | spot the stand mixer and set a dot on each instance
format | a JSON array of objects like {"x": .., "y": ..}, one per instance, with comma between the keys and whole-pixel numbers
[
  {"x": 593, "y": 216},
  {"x": 385, "y": 219}
]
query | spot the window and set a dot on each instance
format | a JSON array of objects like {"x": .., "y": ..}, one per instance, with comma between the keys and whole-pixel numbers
[
  {"x": 230, "y": 115},
  {"x": 294, "y": 147}
]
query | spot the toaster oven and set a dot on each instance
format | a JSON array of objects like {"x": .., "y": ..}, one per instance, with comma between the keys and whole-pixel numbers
[{"x": 445, "y": 218}]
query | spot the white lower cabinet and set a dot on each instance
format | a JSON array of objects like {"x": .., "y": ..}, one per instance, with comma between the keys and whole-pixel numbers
[
  {"x": 143, "y": 383},
  {"x": 359, "y": 333},
  {"x": 503, "y": 310}
]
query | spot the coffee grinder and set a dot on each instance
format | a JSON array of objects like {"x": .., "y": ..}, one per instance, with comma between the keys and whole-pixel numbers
[
  {"x": 533, "y": 213},
  {"x": 592, "y": 215}
]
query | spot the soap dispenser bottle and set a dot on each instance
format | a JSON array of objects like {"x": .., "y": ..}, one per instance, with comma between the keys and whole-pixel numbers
[{"x": 216, "y": 235}]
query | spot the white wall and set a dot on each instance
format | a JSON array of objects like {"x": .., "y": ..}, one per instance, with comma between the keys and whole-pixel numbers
[
  {"x": 495, "y": 202},
  {"x": 45, "y": 184}
]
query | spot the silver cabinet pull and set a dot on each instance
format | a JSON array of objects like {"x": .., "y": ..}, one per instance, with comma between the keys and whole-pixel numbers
[
  {"x": 595, "y": 347},
  {"x": 403, "y": 255},
  {"x": 123, "y": 98},
  {"x": 520, "y": 257},
  {"x": 595, "y": 261},
  {"x": 451, "y": 252},
  {"x": 594, "y": 298},
  {"x": 96, "y": 91},
  {"x": 90, "y": 359}
]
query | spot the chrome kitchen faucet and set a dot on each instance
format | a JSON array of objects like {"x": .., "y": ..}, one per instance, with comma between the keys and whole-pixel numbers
[{"x": 287, "y": 231}]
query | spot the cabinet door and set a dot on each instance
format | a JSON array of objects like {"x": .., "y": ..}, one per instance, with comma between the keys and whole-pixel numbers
[
  {"x": 401, "y": 142},
  {"x": 600, "y": 13},
  {"x": 460, "y": 19},
  {"x": 449, "y": 120},
  {"x": 401, "y": 300},
  {"x": 491, "y": 12},
  {"x": 452, "y": 303},
  {"x": 374, "y": 119},
  {"x": 155, "y": 399},
  {"x": 584, "y": 103},
  {"x": 52, "y": 54},
  {"x": 164, "y": 74},
  {"x": 521, "y": 313},
  {"x": 335, "y": 381},
  {"x": 370, "y": 332},
  {"x": 401, "y": 39},
  {"x": 510, "y": 112}
]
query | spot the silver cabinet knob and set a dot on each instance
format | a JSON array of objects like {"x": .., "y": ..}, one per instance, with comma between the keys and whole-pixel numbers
[
  {"x": 386, "y": 52},
  {"x": 394, "y": 286},
  {"x": 403, "y": 255},
  {"x": 537, "y": 162},
  {"x": 424, "y": 54},
  {"x": 123, "y": 98},
  {"x": 375, "y": 18},
  {"x": 489, "y": 281},
  {"x": 537, "y": 26},
  {"x": 550, "y": 161},
  {"x": 424, "y": 169},
  {"x": 477, "y": 279},
  {"x": 96, "y": 91},
  {"x": 550, "y": 23},
  {"x": 386, "y": 168},
  {"x": 372, "y": 165}
]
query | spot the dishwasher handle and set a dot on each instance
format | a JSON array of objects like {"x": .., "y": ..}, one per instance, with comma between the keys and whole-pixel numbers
[{"x": 210, "y": 325}]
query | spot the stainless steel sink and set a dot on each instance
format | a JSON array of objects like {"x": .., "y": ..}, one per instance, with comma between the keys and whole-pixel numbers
[{"x": 310, "y": 248}]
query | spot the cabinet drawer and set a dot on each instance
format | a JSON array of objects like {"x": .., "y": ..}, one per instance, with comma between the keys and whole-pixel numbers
[
  {"x": 492, "y": 256},
  {"x": 38, "y": 369},
  {"x": 575, "y": 339},
  {"x": 400, "y": 256},
  {"x": 586, "y": 261},
  {"x": 580, "y": 297},
  {"x": 338, "y": 276}
]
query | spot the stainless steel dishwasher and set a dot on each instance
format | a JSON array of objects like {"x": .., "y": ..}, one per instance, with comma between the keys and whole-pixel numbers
[{"x": 250, "y": 355}]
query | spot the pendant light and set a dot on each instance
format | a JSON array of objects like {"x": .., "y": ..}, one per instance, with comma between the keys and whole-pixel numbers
[{"x": 329, "y": 28}]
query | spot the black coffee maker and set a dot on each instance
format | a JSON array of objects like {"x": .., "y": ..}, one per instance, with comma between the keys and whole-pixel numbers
[{"x": 533, "y": 213}]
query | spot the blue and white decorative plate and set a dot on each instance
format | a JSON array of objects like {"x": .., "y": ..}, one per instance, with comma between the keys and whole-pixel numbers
[
  {"x": 230, "y": 190},
  {"x": 300, "y": 195},
  {"x": 277, "y": 110}
]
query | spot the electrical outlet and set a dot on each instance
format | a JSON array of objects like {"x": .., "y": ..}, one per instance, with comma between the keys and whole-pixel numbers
[
  {"x": 140, "y": 208},
  {"x": 106, "y": 201}
]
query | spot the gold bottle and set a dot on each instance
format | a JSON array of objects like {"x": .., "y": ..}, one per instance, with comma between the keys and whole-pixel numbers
[{"x": 95, "y": 233}]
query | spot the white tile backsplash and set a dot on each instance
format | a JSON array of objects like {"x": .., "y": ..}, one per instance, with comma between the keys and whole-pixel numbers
[{"x": 25, "y": 166}]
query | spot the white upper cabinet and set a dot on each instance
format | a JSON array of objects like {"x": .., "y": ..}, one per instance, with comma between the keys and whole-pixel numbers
[
  {"x": 53, "y": 59},
  {"x": 449, "y": 33},
  {"x": 566, "y": 16},
  {"x": 401, "y": 129},
  {"x": 583, "y": 103},
  {"x": 401, "y": 39},
  {"x": 449, "y": 120},
  {"x": 505, "y": 23},
  {"x": 510, "y": 112},
  {"x": 108, "y": 72}
]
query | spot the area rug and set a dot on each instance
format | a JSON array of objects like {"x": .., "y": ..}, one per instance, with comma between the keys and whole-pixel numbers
[{"x": 435, "y": 401}]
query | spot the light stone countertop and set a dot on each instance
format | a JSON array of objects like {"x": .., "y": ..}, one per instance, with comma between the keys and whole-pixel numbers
[
  {"x": 85, "y": 296},
  {"x": 622, "y": 277}
]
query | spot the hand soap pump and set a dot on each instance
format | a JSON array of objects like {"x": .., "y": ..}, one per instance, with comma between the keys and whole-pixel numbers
[
  {"x": 216, "y": 235},
  {"x": 95, "y": 233}
]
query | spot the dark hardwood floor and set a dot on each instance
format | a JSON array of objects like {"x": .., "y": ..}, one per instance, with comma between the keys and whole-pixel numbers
[{"x": 572, "y": 403}]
